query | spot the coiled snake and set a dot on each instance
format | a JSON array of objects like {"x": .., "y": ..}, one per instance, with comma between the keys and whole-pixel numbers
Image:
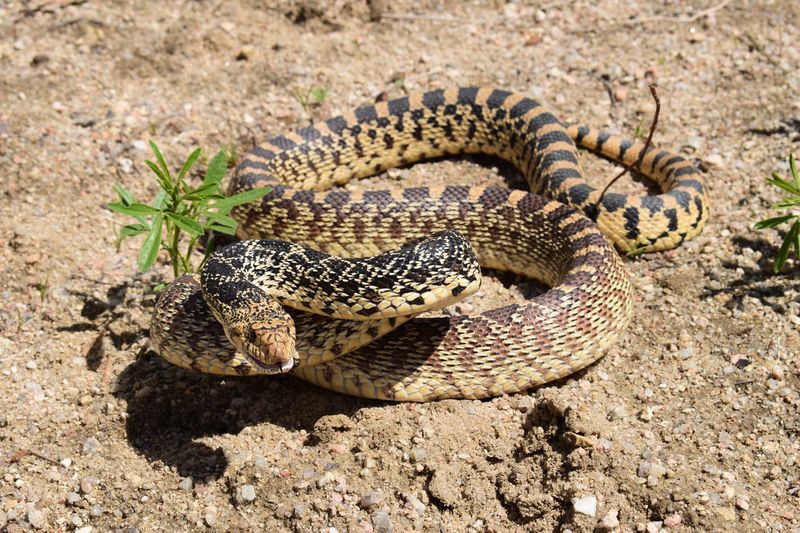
[{"x": 497, "y": 351}]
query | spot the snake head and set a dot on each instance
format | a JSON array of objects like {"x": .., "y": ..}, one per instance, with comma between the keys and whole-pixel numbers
[{"x": 268, "y": 341}]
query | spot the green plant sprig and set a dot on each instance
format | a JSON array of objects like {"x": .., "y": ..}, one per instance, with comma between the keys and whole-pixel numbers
[
  {"x": 179, "y": 208},
  {"x": 310, "y": 97},
  {"x": 792, "y": 201}
]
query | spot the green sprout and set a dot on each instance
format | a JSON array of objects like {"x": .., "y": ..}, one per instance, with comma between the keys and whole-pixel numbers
[
  {"x": 179, "y": 207},
  {"x": 310, "y": 97},
  {"x": 789, "y": 202}
]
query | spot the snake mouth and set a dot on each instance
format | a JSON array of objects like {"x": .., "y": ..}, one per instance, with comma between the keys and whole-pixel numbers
[{"x": 280, "y": 367}]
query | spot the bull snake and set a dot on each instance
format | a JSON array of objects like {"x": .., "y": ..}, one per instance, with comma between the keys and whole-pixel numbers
[{"x": 478, "y": 355}]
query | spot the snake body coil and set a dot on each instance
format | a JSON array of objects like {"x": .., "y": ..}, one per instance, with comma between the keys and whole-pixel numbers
[{"x": 497, "y": 351}]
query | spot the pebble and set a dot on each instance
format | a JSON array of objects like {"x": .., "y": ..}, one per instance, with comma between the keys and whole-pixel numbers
[
  {"x": 609, "y": 521},
  {"x": 37, "y": 518},
  {"x": 245, "y": 494},
  {"x": 727, "y": 514},
  {"x": 370, "y": 499},
  {"x": 415, "y": 504},
  {"x": 417, "y": 455},
  {"x": 186, "y": 484},
  {"x": 617, "y": 413},
  {"x": 210, "y": 515},
  {"x": 325, "y": 479},
  {"x": 73, "y": 498},
  {"x": 714, "y": 159},
  {"x": 655, "y": 526},
  {"x": 125, "y": 165},
  {"x": 91, "y": 445},
  {"x": 673, "y": 520},
  {"x": 245, "y": 52},
  {"x": 586, "y": 505},
  {"x": 743, "y": 503},
  {"x": 88, "y": 484},
  {"x": 382, "y": 522},
  {"x": 85, "y": 529},
  {"x": 139, "y": 144}
]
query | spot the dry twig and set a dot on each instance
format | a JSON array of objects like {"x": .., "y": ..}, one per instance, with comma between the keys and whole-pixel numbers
[
  {"x": 638, "y": 163},
  {"x": 660, "y": 18}
]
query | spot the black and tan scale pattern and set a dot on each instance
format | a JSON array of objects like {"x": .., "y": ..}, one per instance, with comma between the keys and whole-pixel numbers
[
  {"x": 502, "y": 350},
  {"x": 423, "y": 275}
]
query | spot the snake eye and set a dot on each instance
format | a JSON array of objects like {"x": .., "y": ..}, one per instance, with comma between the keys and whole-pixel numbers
[{"x": 251, "y": 336}]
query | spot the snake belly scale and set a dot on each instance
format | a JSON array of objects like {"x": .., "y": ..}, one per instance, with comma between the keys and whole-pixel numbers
[{"x": 497, "y": 351}]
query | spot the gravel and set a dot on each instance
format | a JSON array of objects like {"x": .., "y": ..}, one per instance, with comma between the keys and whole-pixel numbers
[
  {"x": 586, "y": 505},
  {"x": 370, "y": 499},
  {"x": 245, "y": 494},
  {"x": 37, "y": 518},
  {"x": 382, "y": 522}
]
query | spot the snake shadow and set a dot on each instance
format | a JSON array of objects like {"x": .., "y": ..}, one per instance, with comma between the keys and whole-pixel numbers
[{"x": 171, "y": 410}]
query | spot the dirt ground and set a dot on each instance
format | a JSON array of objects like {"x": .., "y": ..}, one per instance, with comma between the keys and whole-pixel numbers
[{"x": 690, "y": 423}]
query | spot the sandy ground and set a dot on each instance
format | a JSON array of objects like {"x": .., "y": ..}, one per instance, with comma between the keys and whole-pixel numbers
[{"x": 690, "y": 423}]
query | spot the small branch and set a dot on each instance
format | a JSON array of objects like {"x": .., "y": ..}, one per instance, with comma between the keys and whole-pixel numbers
[
  {"x": 24, "y": 452},
  {"x": 760, "y": 49},
  {"x": 416, "y": 16},
  {"x": 658, "y": 18},
  {"x": 638, "y": 163}
]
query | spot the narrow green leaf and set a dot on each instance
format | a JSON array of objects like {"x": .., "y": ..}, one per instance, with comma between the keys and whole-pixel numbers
[
  {"x": 159, "y": 288},
  {"x": 204, "y": 192},
  {"x": 778, "y": 181},
  {"x": 793, "y": 168},
  {"x": 772, "y": 222},
  {"x": 133, "y": 229},
  {"x": 149, "y": 250},
  {"x": 188, "y": 225},
  {"x": 161, "y": 162},
  {"x": 134, "y": 210},
  {"x": 189, "y": 162},
  {"x": 797, "y": 241},
  {"x": 223, "y": 220},
  {"x": 160, "y": 201},
  {"x": 783, "y": 253},
  {"x": 224, "y": 206},
  {"x": 787, "y": 202},
  {"x": 124, "y": 195},
  {"x": 165, "y": 183},
  {"x": 226, "y": 230},
  {"x": 216, "y": 168}
]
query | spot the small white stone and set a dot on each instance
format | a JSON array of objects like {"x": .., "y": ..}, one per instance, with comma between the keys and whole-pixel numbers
[
  {"x": 654, "y": 527},
  {"x": 246, "y": 494},
  {"x": 325, "y": 479},
  {"x": 186, "y": 484},
  {"x": 125, "y": 165},
  {"x": 609, "y": 521},
  {"x": 37, "y": 518},
  {"x": 586, "y": 505}
]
